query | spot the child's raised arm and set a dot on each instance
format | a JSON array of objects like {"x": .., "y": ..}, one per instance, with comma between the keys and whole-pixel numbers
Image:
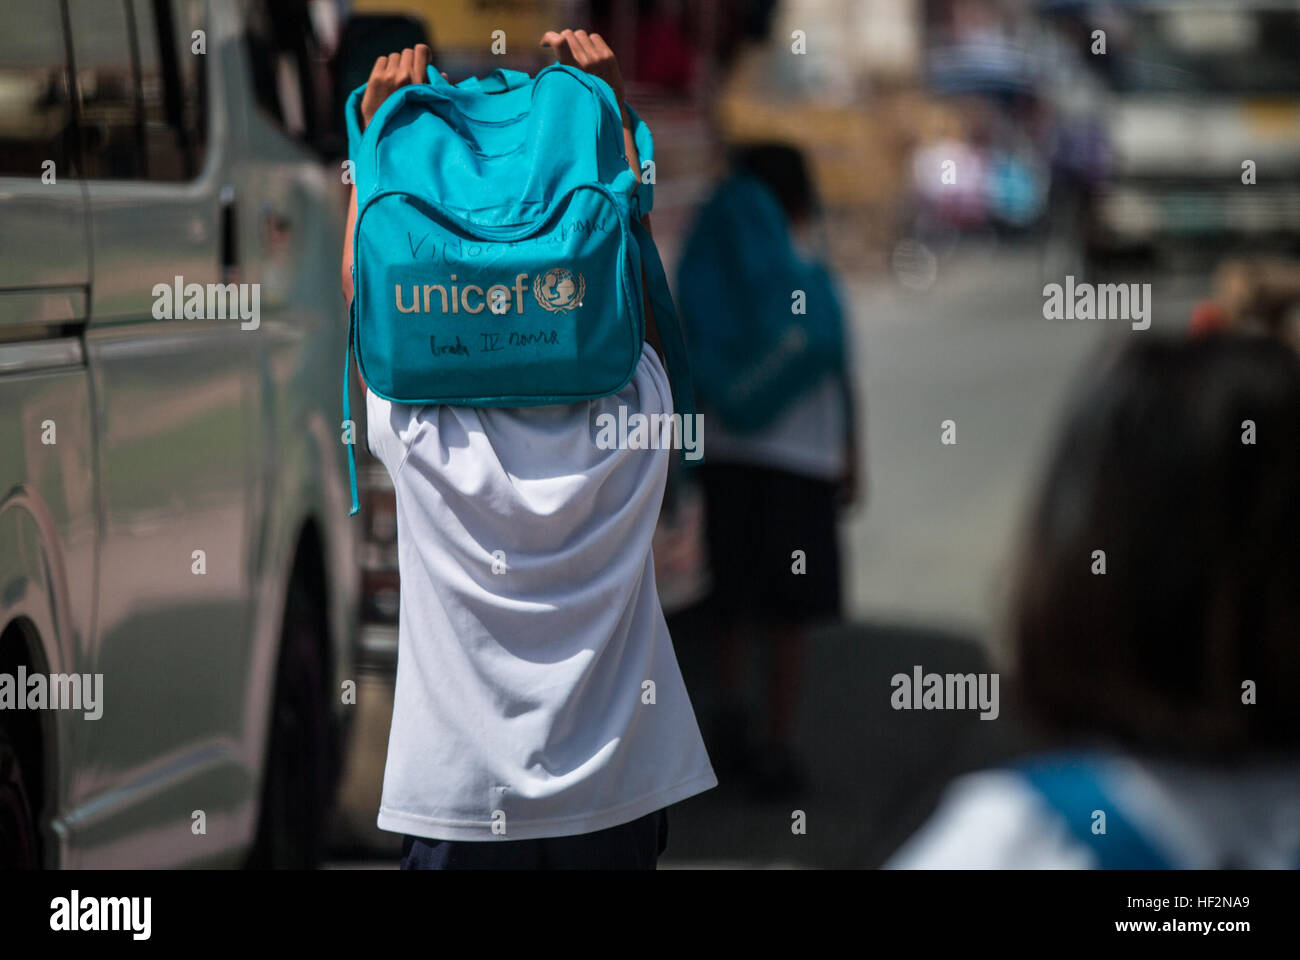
[
  {"x": 591, "y": 54},
  {"x": 389, "y": 74}
]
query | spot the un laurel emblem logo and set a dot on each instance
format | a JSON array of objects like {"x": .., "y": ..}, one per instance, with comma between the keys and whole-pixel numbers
[{"x": 559, "y": 289}]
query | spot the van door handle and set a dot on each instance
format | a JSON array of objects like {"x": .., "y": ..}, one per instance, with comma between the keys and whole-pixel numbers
[
  {"x": 229, "y": 236},
  {"x": 275, "y": 224}
]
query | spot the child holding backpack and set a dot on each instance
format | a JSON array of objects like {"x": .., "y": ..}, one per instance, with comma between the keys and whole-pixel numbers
[
  {"x": 540, "y": 719},
  {"x": 1154, "y": 628}
]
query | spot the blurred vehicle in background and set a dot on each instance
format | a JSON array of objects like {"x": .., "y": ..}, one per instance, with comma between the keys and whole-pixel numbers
[
  {"x": 173, "y": 510},
  {"x": 1185, "y": 132}
]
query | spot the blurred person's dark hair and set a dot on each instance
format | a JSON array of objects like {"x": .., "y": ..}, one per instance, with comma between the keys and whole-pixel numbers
[
  {"x": 363, "y": 39},
  {"x": 783, "y": 170},
  {"x": 1201, "y": 534},
  {"x": 738, "y": 23}
]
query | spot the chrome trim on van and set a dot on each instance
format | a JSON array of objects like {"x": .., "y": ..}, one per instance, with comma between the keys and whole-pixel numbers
[{"x": 41, "y": 355}]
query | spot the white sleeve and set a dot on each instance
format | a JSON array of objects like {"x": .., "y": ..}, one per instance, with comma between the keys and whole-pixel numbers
[
  {"x": 388, "y": 430},
  {"x": 992, "y": 821}
]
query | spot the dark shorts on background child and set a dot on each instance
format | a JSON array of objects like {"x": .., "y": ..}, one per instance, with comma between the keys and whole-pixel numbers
[
  {"x": 629, "y": 846},
  {"x": 756, "y": 518}
]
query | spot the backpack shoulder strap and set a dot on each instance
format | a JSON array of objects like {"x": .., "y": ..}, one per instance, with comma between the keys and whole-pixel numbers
[
  {"x": 643, "y": 190},
  {"x": 347, "y": 405},
  {"x": 667, "y": 323},
  {"x": 1073, "y": 786},
  {"x": 667, "y": 320}
]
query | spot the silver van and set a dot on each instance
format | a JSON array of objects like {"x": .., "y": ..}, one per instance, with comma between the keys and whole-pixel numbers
[{"x": 178, "y": 586}]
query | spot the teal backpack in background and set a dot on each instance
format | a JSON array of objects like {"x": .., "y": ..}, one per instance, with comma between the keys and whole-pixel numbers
[
  {"x": 498, "y": 252},
  {"x": 752, "y": 355}
]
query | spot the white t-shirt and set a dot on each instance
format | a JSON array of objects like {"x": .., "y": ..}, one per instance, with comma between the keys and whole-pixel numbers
[
  {"x": 523, "y": 678},
  {"x": 1194, "y": 817},
  {"x": 807, "y": 438}
]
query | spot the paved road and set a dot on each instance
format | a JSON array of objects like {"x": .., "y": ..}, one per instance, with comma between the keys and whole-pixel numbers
[{"x": 974, "y": 348}]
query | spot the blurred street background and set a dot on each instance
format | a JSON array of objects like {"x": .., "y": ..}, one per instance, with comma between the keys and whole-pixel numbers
[
  {"x": 1103, "y": 141},
  {"x": 186, "y": 534}
]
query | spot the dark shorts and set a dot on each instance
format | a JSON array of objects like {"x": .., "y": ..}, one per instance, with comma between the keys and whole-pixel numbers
[
  {"x": 629, "y": 846},
  {"x": 756, "y": 518}
]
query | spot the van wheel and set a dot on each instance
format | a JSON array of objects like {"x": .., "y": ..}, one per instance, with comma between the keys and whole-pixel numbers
[
  {"x": 297, "y": 789},
  {"x": 18, "y": 840}
]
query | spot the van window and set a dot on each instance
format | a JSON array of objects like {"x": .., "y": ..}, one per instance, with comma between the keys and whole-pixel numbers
[
  {"x": 35, "y": 107},
  {"x": 142, "y": 93},
  {"x": 112, "y": 127},
  {"x": 187, "y": 17},
  {"x": 283, "y": 51},
  {"x": 171, "y": 77}
]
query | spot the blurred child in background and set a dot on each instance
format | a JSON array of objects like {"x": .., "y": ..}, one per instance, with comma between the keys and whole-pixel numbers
[{"x": 766, "y": 333}]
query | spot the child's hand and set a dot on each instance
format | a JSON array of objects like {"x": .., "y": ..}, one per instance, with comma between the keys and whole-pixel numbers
[
  {"x": 589, "y": 53},
  {"x": 391, "y": 73}
]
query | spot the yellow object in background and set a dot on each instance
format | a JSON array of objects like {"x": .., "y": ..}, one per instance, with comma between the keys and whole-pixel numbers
[
  {"x": 468, "y": 24},
  {"x": 1273, "y": 118}
]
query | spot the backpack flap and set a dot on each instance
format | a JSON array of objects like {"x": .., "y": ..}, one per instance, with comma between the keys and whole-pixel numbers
[{"x": 497, "y": 150}]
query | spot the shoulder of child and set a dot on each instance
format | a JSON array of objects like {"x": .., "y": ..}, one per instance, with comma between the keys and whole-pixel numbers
[{"x": 992, "y": 820}]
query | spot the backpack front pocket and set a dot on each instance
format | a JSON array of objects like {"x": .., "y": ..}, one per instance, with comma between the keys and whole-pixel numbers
[{"x": 459, "y": 311}]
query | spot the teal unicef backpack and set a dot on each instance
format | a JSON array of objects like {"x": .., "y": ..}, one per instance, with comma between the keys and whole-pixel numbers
[{"x": 498, "y": 253}]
